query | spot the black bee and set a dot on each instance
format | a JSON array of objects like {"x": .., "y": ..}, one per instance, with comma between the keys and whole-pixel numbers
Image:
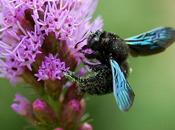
[{"x": 112, "y": 53}]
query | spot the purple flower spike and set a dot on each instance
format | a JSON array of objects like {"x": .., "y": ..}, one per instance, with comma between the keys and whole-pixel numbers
[
  {"x": 41, "y": 40},
  {"x": 26, "y": 24},
  {"x": 21, "y": 105},
  {"x": 51, "y": 69}
]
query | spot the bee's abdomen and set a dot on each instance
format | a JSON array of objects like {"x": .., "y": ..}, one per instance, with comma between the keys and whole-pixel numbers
[{"x": 99, "y": 83}]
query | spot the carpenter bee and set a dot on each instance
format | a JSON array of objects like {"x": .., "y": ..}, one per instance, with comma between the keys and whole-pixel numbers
[{"x": 112, "y": 52}]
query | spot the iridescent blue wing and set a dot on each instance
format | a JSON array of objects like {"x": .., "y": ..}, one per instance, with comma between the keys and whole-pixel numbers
[
  {"x": 123, "y": 93},
  {"x": 151, "y": 42}
]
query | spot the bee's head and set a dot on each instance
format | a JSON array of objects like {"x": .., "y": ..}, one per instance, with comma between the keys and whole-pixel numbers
[{"x": 94, "y": 39}]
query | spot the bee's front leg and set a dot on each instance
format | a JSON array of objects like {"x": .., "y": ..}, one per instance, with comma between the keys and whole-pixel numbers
[
  {"x": 93, "y": 55},
  {"x": 88, "y": 60}
]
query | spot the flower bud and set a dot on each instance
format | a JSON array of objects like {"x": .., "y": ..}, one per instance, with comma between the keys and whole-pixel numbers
[
  {"x": 23, "y": 107},
  {"x": 72, "y": 93},
  {"x": 74, "y": 105},
  {"x": 58, "y": 129},
  {"x": 43, "y": 111},
  {"x": 85, "y": 126},
  {"x": 72, "y": 113}
]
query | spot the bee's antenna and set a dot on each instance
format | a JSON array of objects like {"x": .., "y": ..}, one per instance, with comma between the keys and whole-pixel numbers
[{"x": 76, "y": 45}]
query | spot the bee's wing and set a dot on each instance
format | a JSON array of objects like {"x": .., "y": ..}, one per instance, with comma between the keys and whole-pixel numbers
[
  {"x": 151, "y": 42},
  {"x": 123, "y": 93}
]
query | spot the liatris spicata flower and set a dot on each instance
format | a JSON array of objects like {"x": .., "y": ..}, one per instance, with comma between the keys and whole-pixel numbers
[
  {"x": 38, "y": 44},
  {"x": 51, "y": 69}
]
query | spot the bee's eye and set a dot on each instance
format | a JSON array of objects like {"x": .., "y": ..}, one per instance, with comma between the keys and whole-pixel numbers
[{"x": 96, "y": 39}]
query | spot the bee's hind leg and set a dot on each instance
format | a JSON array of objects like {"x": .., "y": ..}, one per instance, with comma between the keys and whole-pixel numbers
[
  {"x": 125, "y": 68},
  {"x": 71, "y": 76}
]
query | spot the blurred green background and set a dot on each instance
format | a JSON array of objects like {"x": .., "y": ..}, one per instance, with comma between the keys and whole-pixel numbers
[{"x": 153, "y": 77}]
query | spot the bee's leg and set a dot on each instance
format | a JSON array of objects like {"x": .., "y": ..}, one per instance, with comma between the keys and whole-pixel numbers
[
  {"x": 92, "y": 55},
  {"x": 71, "y": 76},
  {"x": 90, "y": 64},
  {"x": 125, "y": 68},
  {"x": 85, "y": 84},
  {"x": 81, "y": 80},
  {"x": 97, "y": 82},
  {"x": 87, "y": 61}
]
